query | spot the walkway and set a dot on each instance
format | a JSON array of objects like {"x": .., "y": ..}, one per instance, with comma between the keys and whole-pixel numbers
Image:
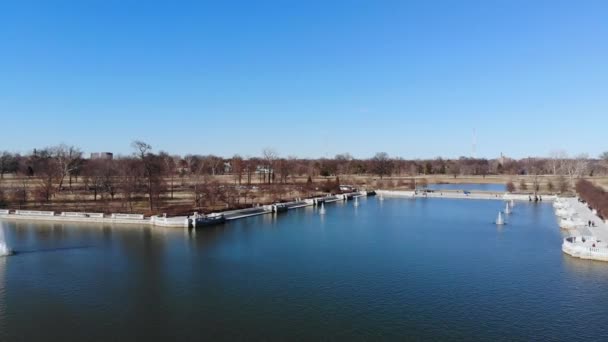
[{"x": 600, "y": 231}]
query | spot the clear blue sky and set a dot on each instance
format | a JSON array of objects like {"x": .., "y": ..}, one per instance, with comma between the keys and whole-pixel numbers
[{"x": 309, "y": 78}]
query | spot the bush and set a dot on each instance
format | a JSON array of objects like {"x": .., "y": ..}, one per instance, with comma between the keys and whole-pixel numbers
[
  {"x": 330, "y": 187},
  {"x": 510, "y": 186},
  {"x": 523, "y": 185},
  {"x": 412, "y": 185},
  {"x": 562, "y": 184},
  {"x": 595, "y": 196},
  {"x": 550, "y": 186}
]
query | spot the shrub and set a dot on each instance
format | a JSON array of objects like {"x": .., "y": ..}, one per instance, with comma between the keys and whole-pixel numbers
[
  {"x": 523, "y": 185},
  {"x": 510, "y": 186},
  {"x": 595, "y": 196},
  {"x": 562, "y": 184},
  {"x": 550, "y": 186}
]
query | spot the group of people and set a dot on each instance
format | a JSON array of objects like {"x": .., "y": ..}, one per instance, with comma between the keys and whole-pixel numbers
[
  {"x": 536, "y": 198},
  {"x": 591, "y": 223}
]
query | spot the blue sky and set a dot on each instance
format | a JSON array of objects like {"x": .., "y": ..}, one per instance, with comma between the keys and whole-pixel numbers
[{"x": 308, "y": 78}]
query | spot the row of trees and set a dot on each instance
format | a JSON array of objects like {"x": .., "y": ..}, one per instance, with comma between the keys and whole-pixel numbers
[
  {"x": 596, "y": 197},
  {"x": 270, "y": 168},
  {"x": 154, "y": 176}
]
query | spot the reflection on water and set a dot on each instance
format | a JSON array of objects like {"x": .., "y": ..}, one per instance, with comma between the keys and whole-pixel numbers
[
  {"x": 429, "y": 269},
  {"x": 581, "y": 267}
]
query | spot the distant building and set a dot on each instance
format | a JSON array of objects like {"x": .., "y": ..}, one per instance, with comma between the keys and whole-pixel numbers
[
  {"x": 227, "y": 167},
  {"x": 503, "y": 159},
  {"x": 347, "y": 188},
  {"x": 102, "y": 155},
  {"x": 263, "y": 169}
]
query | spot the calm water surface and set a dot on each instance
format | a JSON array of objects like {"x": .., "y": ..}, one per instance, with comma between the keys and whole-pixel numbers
[{"x": 399, "y": 269}]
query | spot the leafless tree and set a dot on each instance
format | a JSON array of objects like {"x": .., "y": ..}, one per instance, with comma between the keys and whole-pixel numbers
[
  {"x": 556, "y": 160},
  {"x": 8, "y": 163},
  {"x": 269, "y": 155},
  {"x": 130, "y": 178},
  {"x": 47, "y": 171},
  {"x": 153, "y": 170},
  {"x": 562, "y": 184},
  {"x": 576, "y": 167},
  {"x": 550, "y": 186},
  {"x": 141, "y": 148},
  {"x": 382, "y": 164},
  {"x": 238, "y": 166},
  {"x": 169, "y": 168},
  {"x": 68, "y": 161},
  {"x": 510, "y": 186},
  {"x": 93, "y": 174}
]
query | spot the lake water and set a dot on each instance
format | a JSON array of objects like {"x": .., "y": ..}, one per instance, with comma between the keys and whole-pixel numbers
[
  {"x": 399, "y": 269},
  {"x": 470, "y": 187}
]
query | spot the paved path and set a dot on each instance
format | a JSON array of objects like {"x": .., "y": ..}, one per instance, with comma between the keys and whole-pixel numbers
[{"x": 600, "y": 231}]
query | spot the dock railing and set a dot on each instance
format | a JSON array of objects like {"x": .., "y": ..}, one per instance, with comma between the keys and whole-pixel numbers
[{"x": 575, "y": 245}]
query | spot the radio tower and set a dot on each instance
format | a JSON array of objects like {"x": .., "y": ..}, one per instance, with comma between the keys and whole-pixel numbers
[{"x": 474, "y": 144}]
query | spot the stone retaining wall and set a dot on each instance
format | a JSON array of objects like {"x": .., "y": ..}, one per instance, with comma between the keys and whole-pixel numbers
[
  {"x": 77, "y": 214},
  {"x": 34, "y": 212},
  {"x": 128, "y": 216}
]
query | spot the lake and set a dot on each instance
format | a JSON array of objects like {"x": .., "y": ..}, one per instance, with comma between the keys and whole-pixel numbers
[{"x": 428, "y": 269}]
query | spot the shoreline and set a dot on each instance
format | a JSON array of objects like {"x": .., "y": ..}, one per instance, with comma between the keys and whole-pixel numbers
[
  {"x": 187, "y": 221},
  {"x": 168, "y": 222},
  {"x": 450, "y": 194},
  {"x": 584, "y": 241}
]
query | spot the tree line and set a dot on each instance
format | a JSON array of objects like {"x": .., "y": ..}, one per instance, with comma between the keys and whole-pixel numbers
[{"x": 42, "y": 174}]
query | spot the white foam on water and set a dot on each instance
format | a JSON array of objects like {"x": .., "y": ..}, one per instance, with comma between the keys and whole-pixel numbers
[{"x": 3, "y": 247}]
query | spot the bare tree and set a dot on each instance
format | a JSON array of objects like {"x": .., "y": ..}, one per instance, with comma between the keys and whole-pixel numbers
[
  {"x": 250, "y": 165},
  {"x": 270, "y": 155},
  {"x": 576, "y": 167},
  {"x": 556, "y": 161},
  {"x": 170, "y": 168},
  {"x": 47, "y": 171},
  {"x": 8, "y": 163},
  {"x": 550, "y": 186},
  {"x": 562, "y": 184},
  {"x": 130, "y": 175},
  {"x": 141, "y": 148},
  {"x": 382, "y": 164},
  {"x": 604, "y": 158},
  {"x": 93, "y": 174},
  {"x": 67, "y": 159},
  {"x": 153, "y": 167},
  {"x": 237, "y": 168}
]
